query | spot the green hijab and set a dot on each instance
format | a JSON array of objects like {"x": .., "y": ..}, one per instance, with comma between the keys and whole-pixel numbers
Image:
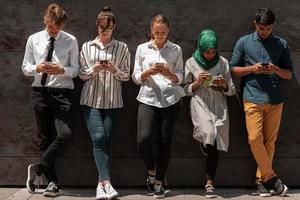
[{"x": 206, "y": 40}]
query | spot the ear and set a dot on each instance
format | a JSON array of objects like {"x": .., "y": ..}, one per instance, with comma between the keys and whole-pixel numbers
[{"x": 44, "y": 19}]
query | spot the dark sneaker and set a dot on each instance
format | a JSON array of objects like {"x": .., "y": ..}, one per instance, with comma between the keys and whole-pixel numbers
[
  {"x": 150, "y": 183},
  {"x": 210, "y": 191},
  {"x": 159, "y": 192},
  {"x": 276, "y": 185},
  {"x": 52, "y": 190},
  {"x": 33, "y": 178},
  {"x": 262, "y": 190}
]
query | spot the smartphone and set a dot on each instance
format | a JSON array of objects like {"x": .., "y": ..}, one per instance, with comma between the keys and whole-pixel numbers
[
  {"x": 159, "y": 66},
  {"x": 103, "y": 62},
  {"x": 265, "y": 65},
  {"x": 208, "y": 81},
  {"x": 48, "y": 64}
]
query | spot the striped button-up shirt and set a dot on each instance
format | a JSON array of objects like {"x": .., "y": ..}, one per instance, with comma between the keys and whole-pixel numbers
[{"x": 103, "y": 89}]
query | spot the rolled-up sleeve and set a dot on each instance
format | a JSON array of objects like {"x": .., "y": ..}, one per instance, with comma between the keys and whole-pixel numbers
[
  {"x": 85, "y": 71},
  {"x": 228, "y": 78},
  {"x": 29, "y": 65},
  {"x": 71, "y": 70},
  {"x": 237, "y": 58},
  {"x": 123, "y": 70},
  {"x": 188, "y": 80},
  {"x": 285, "y": 58},
  {"x": 178, "y": 67},
  {"x": 138, "y": 68}
]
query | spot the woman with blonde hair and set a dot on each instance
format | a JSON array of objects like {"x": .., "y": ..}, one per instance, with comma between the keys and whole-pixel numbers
[{"x": 158, "y": 70}]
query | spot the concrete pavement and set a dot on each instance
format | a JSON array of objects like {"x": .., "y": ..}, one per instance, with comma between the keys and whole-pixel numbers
[{"x": 141, "y": 194}]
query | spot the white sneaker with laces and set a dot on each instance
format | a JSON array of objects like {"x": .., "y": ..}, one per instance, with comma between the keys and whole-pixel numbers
[
  {"x": 100, "y": 193},
  {"x": 110, "y": 191}
]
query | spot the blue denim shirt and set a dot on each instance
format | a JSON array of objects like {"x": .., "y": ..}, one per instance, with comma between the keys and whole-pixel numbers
[{"x": 249, "y": 50}]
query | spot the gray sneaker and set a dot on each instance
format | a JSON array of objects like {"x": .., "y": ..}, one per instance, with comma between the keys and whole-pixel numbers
[
  {"x": 159, "y": 192},
  {"x": 210, "y": 192},
  {"x": 262, "y": 190},
  {"x": 52, "y": 190},
  {"x": 33, "y": 178}
]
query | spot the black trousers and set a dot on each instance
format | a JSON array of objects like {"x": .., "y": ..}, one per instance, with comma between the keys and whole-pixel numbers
[
  {"x": 51, "y": 109},
  {"x": 154, "y": 132},
  {"x": 212, "y": 157}
]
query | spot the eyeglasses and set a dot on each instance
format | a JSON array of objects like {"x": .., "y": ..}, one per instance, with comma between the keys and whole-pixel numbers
[{"x": 108, "y": 29}]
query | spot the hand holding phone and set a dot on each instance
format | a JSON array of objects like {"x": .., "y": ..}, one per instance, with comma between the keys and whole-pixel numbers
[
  {"x": 265, "y": 66},
  {"x": 159, "y": 66}
]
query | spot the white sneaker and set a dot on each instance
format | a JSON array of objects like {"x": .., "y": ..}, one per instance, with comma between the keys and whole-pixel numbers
[
  {"x": 110, "y": 191},
  {"x": 100, "y": 193}
]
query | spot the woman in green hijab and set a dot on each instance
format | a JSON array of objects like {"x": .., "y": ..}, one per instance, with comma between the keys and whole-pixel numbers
[{"x": 208, "y": 81}]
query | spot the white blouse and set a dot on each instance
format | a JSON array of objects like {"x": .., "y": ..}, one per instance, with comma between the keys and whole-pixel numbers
[{"x": 158, "y": 90}]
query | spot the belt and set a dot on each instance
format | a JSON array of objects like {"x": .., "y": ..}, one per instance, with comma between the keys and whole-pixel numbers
[{"x": 51, "y": 90}]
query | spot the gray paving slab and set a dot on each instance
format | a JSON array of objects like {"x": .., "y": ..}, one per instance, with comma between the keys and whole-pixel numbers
[
  {"x": 142, "y": 194},
  {"x": 5, "y": 193}
]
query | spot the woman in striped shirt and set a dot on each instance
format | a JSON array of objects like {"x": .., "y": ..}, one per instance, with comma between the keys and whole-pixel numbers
[
  {"x": 158, "y": 69},
  {"x": 105, "y": 63}
]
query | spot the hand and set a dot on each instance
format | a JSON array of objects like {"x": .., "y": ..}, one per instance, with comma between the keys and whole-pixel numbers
[
  {"x": 199, "y": 81},
  {"x": 257, "y": 68},
  {"x": 270, "y": 69},
  {"x": 152, "y": 70},
  {"x": 220, "y": 82},
  {"x": 202, "y": 76},
  {"x": 55, "y": 69},
  {"x": 97, "y": 67},
  {"x": 164, "y": 70},
  {"x": 43, "y": 67},
  {"x": 109, "y": 67}
]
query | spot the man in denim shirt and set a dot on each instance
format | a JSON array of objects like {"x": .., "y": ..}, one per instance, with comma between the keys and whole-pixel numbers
[{"x": 263, "y": 60}]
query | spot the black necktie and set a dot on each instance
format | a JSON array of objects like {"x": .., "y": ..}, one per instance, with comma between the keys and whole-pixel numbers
[{"x": 48, "y": 59}]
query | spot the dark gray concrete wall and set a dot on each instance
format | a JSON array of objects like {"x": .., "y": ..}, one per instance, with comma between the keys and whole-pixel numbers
[{"x": 230, "y": 19}]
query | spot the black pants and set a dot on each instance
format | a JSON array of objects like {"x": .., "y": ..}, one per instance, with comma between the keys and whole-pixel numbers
[
  {"x": 53, "y": 117},
  {"x": 212, "y": 157},
  {"x": 156, "y": 124}
]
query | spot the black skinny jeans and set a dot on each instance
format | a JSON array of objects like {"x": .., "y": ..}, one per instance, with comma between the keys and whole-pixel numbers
[
  {"x": 53, "y": 117},
  {"x": 154, "y": 136},
  {"x": 211, "y": 160}
]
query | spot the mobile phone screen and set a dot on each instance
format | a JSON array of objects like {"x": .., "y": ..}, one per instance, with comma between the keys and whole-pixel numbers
[{"x": 102, "y": 62}]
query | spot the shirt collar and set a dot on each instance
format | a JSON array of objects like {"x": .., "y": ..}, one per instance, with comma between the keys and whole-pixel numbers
[
  {"x": 166, "y": 45},
  {"x": 48, "y": 36},
  {"x": 256, "y": 37},
  {"x": 99, "y": 44}
]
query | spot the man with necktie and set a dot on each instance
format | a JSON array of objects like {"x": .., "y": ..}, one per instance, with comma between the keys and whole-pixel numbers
[{"x": 51, "y": 57}]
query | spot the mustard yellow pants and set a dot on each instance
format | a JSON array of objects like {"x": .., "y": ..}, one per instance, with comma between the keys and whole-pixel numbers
[{"x": 263, "y": 122}]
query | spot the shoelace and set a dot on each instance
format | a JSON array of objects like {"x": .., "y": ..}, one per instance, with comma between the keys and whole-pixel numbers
[
  {"x": 52, "y": 187},
  {"x": 37, "y": 181},
  {"x": 109, "y": 189},
  {"x": 210, "y": 188},
  {"x": 101, "y": 190}
]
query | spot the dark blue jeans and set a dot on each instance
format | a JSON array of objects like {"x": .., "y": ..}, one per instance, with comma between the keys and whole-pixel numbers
[{"x": 100, "y": 123}]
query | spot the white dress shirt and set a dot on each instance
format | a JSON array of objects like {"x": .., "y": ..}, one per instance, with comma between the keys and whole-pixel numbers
[
  {"x": 65, "y": 54},
  {"x": 158, "y": 90}
]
